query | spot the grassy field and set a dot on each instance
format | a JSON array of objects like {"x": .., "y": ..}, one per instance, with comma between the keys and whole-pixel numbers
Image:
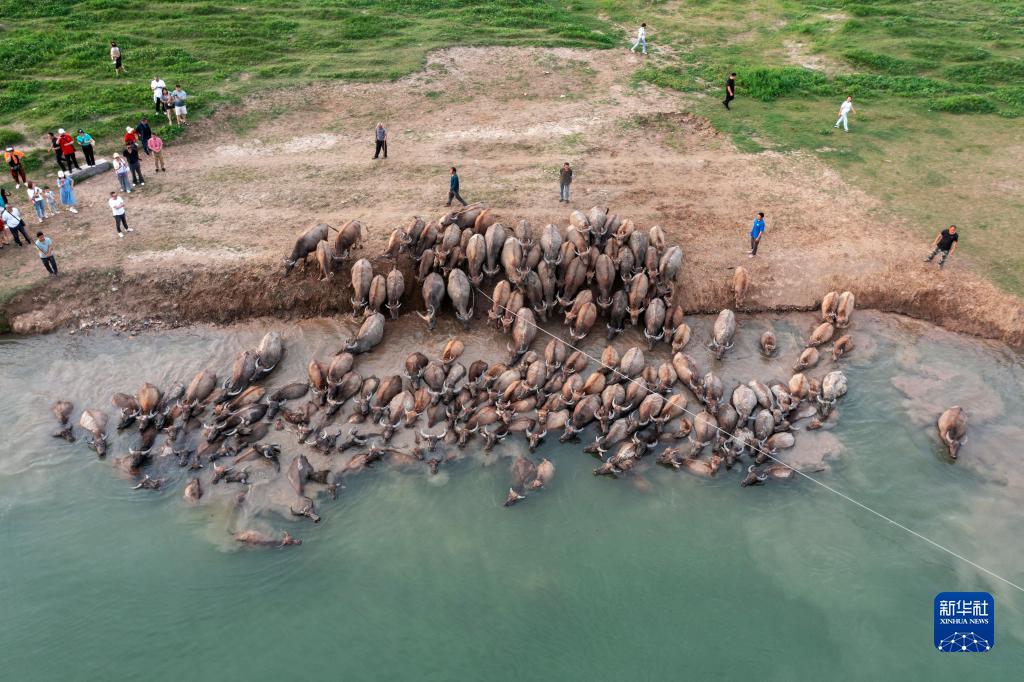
[{"x": 937, "y": 83}]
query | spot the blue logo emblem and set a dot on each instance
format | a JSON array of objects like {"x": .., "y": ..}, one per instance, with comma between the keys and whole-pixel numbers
[{"x": 964, "y": 622}]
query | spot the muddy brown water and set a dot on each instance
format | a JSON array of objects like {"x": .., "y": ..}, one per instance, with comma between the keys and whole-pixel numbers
[{"x": 414, "y": 575}]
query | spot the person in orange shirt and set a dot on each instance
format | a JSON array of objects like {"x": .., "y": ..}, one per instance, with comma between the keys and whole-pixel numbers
[{"x": 15, "y": 162}]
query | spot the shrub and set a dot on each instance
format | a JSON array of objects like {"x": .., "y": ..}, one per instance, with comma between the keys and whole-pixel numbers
[
  {"x": 8, "y": 137},
  {"x": 963, "y": 104},
  {"x": 771, "y": 83},
  {"x": 882, "y": 62}
]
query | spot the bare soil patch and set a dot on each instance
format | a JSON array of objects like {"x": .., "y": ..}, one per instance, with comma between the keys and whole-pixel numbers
[{"x": 212, "y": 230}]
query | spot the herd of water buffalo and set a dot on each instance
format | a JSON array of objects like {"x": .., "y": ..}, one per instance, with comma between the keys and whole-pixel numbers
[{"x": 598, "y": 265}]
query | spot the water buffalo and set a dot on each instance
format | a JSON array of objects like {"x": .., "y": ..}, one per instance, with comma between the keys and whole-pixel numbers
[
  {"x": 306, "y": 244},
  {"x": 617, "y": 314},
  {"x": 953, "y": 429},
  {"x": 828, "y": 307},
  {"x": 807, "y": 360},
  {"x": 740, "y": 281},
  {"x": 461, "y": 294},
  {"x": 551, "y": 244},
  {"x": 433, "y": 296},
  {"x": 524, "y": 330},
  {"x": 833, "y": 387},
  {"x": 395, "y": 285},
  {"x": 654, "y": 321},
  {"x": 325, "y": 259},
  {"x": 842, "y": 346},
  {"x": 724, "y": 330},
  {"x": 638, "y": 289},
  {"x": 768, "y": 343},
  {"x": 370, "y": 333},
  {"x": 258, "y": 539},
  {"x": 95, "y": 422},
  {"x": 347, "y": 239},
  {"x": 822, "y": 334},
  {"x": 494, "y": 240},
  {"x": 362, "y": 276},
  {"x": 844, "y": 309},
  {"x": 243, "y": 370},
  {"x": 584, "y": 321},
  {"x": 269, "y": 353},
  {"x": 669, "y": 267}
]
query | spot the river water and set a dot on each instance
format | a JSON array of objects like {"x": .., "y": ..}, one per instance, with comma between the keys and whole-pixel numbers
[{"x": 655, "y": 575}]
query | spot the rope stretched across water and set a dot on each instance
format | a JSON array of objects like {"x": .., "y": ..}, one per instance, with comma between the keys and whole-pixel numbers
[{"x": 761, "y": 451}]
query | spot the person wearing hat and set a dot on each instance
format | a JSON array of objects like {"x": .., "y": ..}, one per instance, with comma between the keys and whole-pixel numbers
[
  {"x": 144, "y": 132},
  {"x": 84, "y": 141},
  {"x": 130, "y": 136},
  {"x": 15, "y": 163},
  {"x": 58, "y": 155},
  {"x": 67, "y": 148},
  {"x": 66, "y": 186},
  {"x": 121, "y": 171}
]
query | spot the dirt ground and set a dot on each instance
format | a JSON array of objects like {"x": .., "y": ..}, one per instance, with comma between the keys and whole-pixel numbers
[{"x": 211, "y": 232}]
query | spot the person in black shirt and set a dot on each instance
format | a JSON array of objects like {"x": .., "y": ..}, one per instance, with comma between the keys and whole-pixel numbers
[
  {"x": 57, "y": 153},
  {"x": 144, "y": 132},
  {"x": 946, "y": 243},
  {"x": 131, "y": 155},
  {"x": 564, "y": 180},
  {"x": 730, "y": 89}
]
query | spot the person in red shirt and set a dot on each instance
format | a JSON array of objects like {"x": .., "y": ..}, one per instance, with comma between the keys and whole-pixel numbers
[
  {"x": 67, "y": 148},
  {"x": 130, "y": 136}
]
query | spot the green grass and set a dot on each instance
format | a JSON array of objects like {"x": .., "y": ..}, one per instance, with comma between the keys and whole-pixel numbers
[{"x": 55, "y": 70}]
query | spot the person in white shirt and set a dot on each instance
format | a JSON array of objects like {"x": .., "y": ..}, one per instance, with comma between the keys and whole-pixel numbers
[
  {"x": 845, "y": 109},
  {"x": 11, "y": 218},
  {"x": 116, "y": 204},
  {"x": 641, "y": 39},
  {"x": 157, "y": 85}
]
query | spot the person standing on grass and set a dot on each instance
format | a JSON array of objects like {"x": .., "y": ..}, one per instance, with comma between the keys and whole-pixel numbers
[
  {"x": 130, "y": 136},
  {"x": 945, "y": 242},
  {"x": 84, "y": 141},
  {"x": 453, "y": 188},
  {"x": 845, "y": 109},
  {"x": 116, "y": 204},
  {"x": 178, "y": 96},
  {"x": 11, "y": 217},
  {"x": 131, "y": 154},
  {"x": 144, "y": 132},
  {"x": 115, "y": 56},
  {"x": 156, "y": 86},
  {"x": 45, "y": 246},
  {"x": 755, "y": 233},
  {"x": 35, "y": 195},
  {"x": 641, "y": 39},
  {"x": 730, "y": 89},
  {"x": 58, "y": 155},
  {"x": 156, "y": 145},
  {"x": 167, "y": 103},
  {"x": 16, "y": 164},
  {"x": 121, "y": 171},
  {"x": 67, "y": 148},
  {"x": 381, "y": 137},
  {"x": 564, "y": 180},
  {"x": 66, "y": 187}
]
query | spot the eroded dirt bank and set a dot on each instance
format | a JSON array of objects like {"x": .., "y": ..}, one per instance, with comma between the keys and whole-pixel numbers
[
  {"x": 210, "y": 233},
  {"x": 134, "y": 301}
]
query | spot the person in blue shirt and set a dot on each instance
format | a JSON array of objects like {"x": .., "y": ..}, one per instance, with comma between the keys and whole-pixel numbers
[
  {"x": 453, "y": 188},
  {"x": 755, "y": 233},
  {"x": 84, "y": 141},
  {"x": 45, "y": 246}
]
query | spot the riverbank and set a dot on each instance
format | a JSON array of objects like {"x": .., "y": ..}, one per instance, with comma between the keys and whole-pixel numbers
[{"x": 211, "y": 231}]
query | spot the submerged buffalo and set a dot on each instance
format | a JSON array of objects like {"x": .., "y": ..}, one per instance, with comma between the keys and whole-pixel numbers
[{"x": 953, "y": 429}]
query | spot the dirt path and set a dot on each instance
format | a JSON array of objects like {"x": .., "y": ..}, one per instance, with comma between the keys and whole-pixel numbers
[{"x": 212, "y": 230}]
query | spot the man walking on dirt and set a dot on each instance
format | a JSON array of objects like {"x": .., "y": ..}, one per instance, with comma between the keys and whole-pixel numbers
[
  {"x": 730, "y": 89},
  {"x": 755, "y": 233},
  {"x": 380, "y": 135},
  {"x": 453, "y": 188},
  {"x": 641, "y": 39},
  {"x": 946, "y": 243},
  {"x": 845, "y": 109}
]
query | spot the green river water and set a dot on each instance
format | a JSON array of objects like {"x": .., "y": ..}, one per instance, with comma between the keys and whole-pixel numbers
[{"x": 658, "y": 575}]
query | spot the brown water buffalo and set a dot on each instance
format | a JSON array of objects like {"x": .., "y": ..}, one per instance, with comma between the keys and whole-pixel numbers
[
  {"x": 551, "y": 244},
  {"x": 828, "y": 306},
  {"x": 396, "y": 243},
  {"x": 548, "y": 285},
  {"x": 808, "y": 359},
  {"x": 95, "y": 422},
  {"x": 361, "y": 277},
  {"x": 306, "y": 244},
  {"x": 604, "y": 273},
  {"x": 768, "y": 343},
  {"x": 433, "y": 297},
  {"x": 844, "y": 309},
  {"x": 740, "y": 281},
  {"x": 668, "y": 268},
  {"x": 499, "y": 300},
  {"x": 822, "y": 334},
  {"x": 953, "y": 429},
  {"x": 258, "y": 539},
  {"x": 243, "y": 370},
  {"x": 680, "y": 337},
  {"x": 377, "y": 296},
  {"x": 524, "y": 330},
  {"x": 617, "y": 314},
  {"x": 584, "y": 321},
  {"x": 476, "y": 256},
  {"x": 347, "y": 239},
  {"x": 325, "y": 260},
  {"x": 638, "y": 290},
  {"x": 842, "y": 346},
  {"x": 395, "y": 286}
]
